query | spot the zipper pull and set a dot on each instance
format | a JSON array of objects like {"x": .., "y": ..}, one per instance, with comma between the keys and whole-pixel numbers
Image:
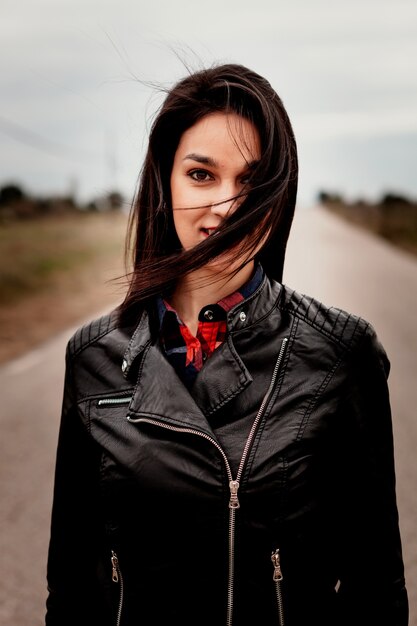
[
  {"x": 277, "y": 566},
  {"x": 234, "y": 502},
  {"x": 115, "y": 567}
]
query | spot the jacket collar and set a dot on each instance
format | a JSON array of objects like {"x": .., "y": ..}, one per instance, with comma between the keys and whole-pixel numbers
[
  {"x": 160, "y": 392},
  {"x": 246, "y": 313},
  {"x": 140, "y": 339}
]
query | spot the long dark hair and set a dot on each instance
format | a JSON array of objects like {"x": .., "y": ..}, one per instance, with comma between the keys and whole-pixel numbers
[{"x": 269, "y": 200}]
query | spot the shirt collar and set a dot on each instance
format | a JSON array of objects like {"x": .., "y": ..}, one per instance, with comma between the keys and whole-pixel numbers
[
  {"x": 254, "y": 308},
  {"x": 218, "y": 311}
]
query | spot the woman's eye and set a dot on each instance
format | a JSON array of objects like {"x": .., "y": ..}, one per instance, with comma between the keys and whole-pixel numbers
[
  {"x": 245, "y": 180},
  {"x": 200, "y": 176}
]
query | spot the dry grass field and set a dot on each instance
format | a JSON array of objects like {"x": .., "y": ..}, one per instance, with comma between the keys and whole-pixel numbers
[
  {"x": 56, "y": 271},
  {"x": 393, "y": 220},
  {"x": 59, "y": 270}
]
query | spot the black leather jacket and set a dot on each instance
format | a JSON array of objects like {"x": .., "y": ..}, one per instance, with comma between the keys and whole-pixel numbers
[{"x": 266, "y": 496}]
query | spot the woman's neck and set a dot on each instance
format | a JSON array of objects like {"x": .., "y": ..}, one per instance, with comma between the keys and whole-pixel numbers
[{"x": 203, "y": 287}]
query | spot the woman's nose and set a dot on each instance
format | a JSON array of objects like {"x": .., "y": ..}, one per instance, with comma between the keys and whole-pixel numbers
[{"x": 227, "y": 202}]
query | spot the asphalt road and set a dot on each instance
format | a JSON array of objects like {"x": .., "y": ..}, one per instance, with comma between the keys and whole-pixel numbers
[{"x": 327, "y": 258}]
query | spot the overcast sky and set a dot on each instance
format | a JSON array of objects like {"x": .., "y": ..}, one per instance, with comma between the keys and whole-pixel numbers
[{"x": 77, "y": 100}]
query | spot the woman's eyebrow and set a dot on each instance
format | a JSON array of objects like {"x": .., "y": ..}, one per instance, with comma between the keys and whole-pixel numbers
[
  {"x": 206, "y": 160},
  {"x": 193, "y": 156}
]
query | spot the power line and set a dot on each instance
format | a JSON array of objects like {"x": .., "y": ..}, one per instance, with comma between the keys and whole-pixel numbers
[{"x": 33, "y": 139}]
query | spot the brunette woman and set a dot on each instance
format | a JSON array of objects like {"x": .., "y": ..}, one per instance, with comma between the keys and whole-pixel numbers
[{"x": 225, "y": 454}]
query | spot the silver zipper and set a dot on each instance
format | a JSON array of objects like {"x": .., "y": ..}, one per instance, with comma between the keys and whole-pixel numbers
[
  {"x": 114, "y": 401},
  {"x": 233, "y": 483},
  {"x": 117, "y": 577},
  {"x": 233, "y": 501},
  {"x": 277, "y": 577}
]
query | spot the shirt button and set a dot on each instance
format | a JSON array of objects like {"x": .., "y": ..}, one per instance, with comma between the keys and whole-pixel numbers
[
  {"x": 208, "y": 314},
  {"x": 242, "y": 316}
]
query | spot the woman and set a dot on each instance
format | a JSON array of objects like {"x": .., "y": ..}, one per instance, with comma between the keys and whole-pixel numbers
[{"x": 225, "y": 453}]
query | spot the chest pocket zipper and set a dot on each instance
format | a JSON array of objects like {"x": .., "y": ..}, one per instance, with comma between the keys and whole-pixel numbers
[
  {"x": 114, "y": 401},
  {"x": 277, "y": 577},
  {"x": 117, "y": 578}
]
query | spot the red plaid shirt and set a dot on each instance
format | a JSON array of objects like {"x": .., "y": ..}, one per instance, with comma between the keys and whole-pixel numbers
[{"x": 187, "y": 353}]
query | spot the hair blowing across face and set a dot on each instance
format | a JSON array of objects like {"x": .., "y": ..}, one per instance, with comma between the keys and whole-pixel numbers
[{"x": 269, "y": 200}]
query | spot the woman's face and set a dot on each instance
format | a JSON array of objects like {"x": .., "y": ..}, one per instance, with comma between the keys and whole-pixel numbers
[{"x": 212, "y": 164}]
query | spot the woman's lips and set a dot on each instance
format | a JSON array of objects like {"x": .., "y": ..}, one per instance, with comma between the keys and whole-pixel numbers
[{"x": 208, "y": 231}]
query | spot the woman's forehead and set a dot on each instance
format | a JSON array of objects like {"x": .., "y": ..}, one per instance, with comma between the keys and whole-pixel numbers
[{"x": 221, "y": 134}]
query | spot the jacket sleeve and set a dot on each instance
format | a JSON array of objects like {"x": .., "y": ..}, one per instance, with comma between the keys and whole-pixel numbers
[
  {"x": 73, "y": 596},
  {"x": 372, "y": 586}
]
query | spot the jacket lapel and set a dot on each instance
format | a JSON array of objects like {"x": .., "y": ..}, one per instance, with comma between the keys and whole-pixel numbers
[
  {"x": 222, "y": 378},
  {"x": 159, "y": 392}
]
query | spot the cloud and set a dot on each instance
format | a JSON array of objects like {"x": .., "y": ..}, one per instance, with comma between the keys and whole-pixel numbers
[
  {"x": 364, "y": 124},
  {"x": 69, "y": 69}
]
